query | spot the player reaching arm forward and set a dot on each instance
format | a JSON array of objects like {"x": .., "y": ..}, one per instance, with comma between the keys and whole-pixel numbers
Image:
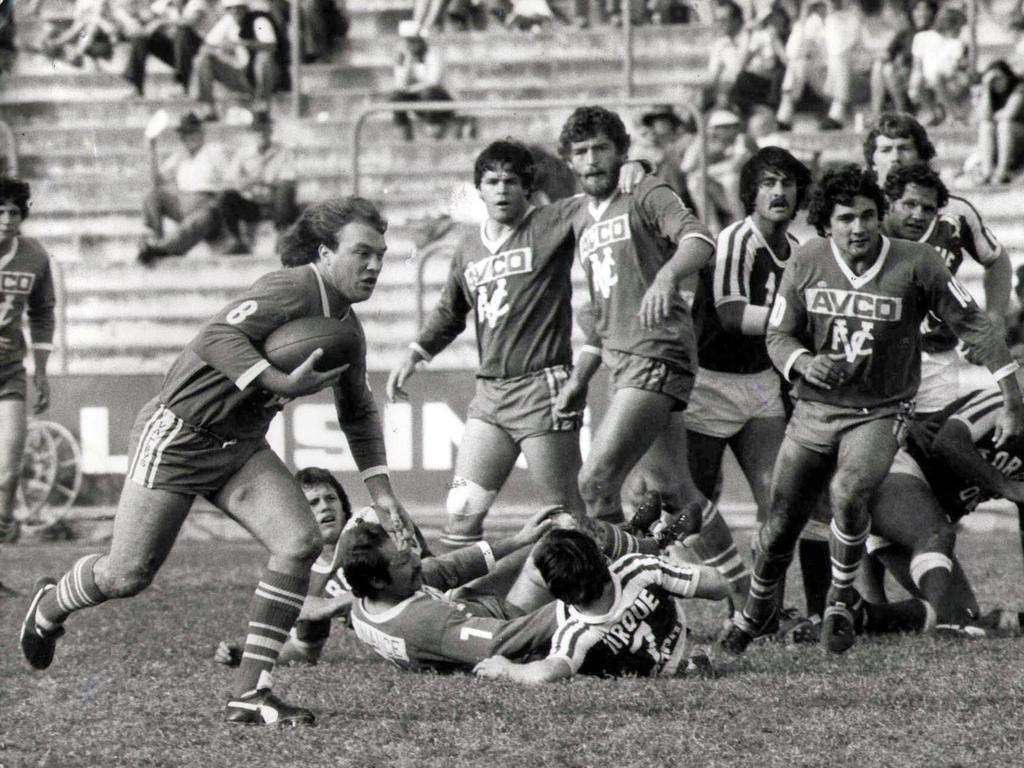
[
  {"x": 846, "y": 327},
  {"x": 204, "y": 434}
]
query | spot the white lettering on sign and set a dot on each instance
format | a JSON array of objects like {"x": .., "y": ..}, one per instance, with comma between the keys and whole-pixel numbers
[
  {"x": 94, "y": 427},
  {"x": 319, "y": 442}
]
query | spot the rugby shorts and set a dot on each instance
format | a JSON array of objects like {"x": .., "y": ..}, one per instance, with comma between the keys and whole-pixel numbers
[
  {"x": 721, "y": 404},
  {"x": 169, "y": 455},
  {"x": 13, "y": 382},
  {"x": 524, "y": 406},
  {"x": 630, "y": 371},
  {"x": 820, "y": 427}
]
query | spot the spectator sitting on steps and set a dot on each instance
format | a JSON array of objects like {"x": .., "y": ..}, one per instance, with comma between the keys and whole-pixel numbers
[
  {"x": 419, "y": 73},
  {"x": 262, "y": 181},
  {"x": 186, "y": 189}
]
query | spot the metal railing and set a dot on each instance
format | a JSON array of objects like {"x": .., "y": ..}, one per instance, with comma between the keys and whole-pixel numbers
[{"x": 478, "y": 107}]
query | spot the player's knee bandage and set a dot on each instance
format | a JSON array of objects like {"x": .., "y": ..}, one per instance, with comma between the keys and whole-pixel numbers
[{"x": 467, "y": 505}]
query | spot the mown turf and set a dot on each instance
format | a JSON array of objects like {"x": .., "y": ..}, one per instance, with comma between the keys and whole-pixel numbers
[{"x": 133, "y": 685}]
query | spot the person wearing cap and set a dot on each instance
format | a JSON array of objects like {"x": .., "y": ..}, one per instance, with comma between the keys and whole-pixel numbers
[
  {"x": 419, "y": 73},
  {"x": 261, "y": 178},
  {"x": 244, "y": 51},
  {"x": 186, "y": 189},
  {"x": 727, "y": 148},
  {"x": 662, "y": 139}
]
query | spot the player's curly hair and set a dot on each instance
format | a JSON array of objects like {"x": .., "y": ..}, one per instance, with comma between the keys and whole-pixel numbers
[
  {"x": 319, "y": 225},
  {"x": 361, "y": 558},
  {"x": 506, "y": 153},
  {"x": 840, "y": 186},
  {"x": 898, "y": 125},
  {"x": 921, "y": 174},
  {"x": 16, "y": 191},
  {"x": 317, "y": 476},
  {"x": 586, "y": 123},
  {"x": 774, "y": 159},
  {"x": 572, "y": 566}
]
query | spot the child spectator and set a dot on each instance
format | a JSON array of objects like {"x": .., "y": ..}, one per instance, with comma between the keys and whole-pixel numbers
[
  {"x": 940, "y": 80},
  {"x": 1000, "y": 123}
]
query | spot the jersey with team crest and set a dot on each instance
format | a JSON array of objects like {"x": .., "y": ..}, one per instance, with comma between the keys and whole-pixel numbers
[
  {"x": 26, "y": 287},
  {"x": 433, "y": 629},
  {"x": 871, "y": 322},
  {"x": 957, "y": 493},
  {"x": 211, "y": 385},
  {"x": 622, "y": 243},
  {"x": 745, "y": 270},
  {"x": 643, "y": 633},
  {"x": 520, "y": 289}
]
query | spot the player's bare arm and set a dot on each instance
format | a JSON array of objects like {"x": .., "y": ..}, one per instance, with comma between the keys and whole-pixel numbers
[
  {"x": 572, "y": 398},
  {"x": 395, "y": 387},
  {"x": 547, "y": 670},
  {"x": 822, "y": 370},
  {"x": 743, "y": 317},
  {"x": 40, "y": 381},
  {"x": 691, "y": 254},
  {"x": 535, "y": 526},
  {"x": 997, "y": 283},
  {"x": 953, "y": 442}
]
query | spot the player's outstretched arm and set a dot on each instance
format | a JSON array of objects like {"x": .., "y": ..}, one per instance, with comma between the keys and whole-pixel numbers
[
  {"x": 536, "y": 526},
  {"x": 572, "y": 398},
  {"x": 395, "y": 388},
  {"x": 955, "y": 444},
  {"x": 383, "y": 495},
  {"x": 547, "y": 670}
]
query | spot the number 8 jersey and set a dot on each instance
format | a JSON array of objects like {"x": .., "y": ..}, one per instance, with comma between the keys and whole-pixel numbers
[{"x": 872, "y": 322}]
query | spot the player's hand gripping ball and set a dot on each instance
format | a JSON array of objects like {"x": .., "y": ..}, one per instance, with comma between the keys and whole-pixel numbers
[{"x": 290, "y": 345}]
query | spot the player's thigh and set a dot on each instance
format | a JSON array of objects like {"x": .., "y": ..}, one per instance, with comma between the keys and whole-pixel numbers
[
  {"x": 263, "y": 497},
  {"x": 13, "y": 427},
  {"x": 634, "y": 419},
  {"x": 554, "y": 461},
  {"x": 800, "y": 476},
  {"x": 704, "y": 457},
  {"x": 146, "y": 525},
  {"x": 905, "y": 511},
  {"x": 486, "y": 454},
  {"x": 756, "y": 447},
  {"x": 865, "y": 455},
  {"x": 665, "y": 464}
]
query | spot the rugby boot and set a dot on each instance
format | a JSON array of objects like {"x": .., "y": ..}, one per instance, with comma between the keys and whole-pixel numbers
[
  {"x": 37, "y": 646},
  {"x": 839, "y": 624},
  {"x": 262, "y": 707}
]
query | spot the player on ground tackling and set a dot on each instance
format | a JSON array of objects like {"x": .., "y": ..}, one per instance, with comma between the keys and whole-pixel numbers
[
  {"x": 204, "y": 434},
  {"x": 25, "y": 285},
  {"x": 846, "y": 326}
]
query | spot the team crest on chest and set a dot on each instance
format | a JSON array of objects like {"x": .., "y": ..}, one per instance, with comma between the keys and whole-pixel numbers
[{"x": 597, "y": 255}]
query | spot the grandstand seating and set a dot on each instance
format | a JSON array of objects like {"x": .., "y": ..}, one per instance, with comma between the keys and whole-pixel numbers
[{"x": 80, "y": 144}]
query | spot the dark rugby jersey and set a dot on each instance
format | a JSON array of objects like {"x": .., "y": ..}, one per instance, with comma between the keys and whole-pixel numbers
[
  {"x": 745, "y": 270},
  {"x": 26, "y": 287},
  {"x": 520, "y": 289},
  {"x": 622, "y": 244},
  {"x": 211, "y": 385},
  {"x": 872, "y": 322}
]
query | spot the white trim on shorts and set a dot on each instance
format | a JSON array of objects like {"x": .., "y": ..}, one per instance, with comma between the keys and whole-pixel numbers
[{"x": 160, "y": 431}]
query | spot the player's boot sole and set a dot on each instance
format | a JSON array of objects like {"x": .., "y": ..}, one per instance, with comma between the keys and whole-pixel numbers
[
  {"x": 38, "y": 648},
  {"x": 838, "y": 632},
  {"x": 264, "y": 708}
]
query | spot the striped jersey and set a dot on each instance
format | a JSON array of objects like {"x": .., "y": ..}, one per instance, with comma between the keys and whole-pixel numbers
[
  {"x": 26, "y": 288},
  {"x": 520, "y": 290},
  {"x": 872, "y": 322},
  {"x": 957, "y": 493},
  {"x": 623, "y": 242},
  {"x": 745, "y": 270},
  {"x": 211, "y": 385},
  {"x": 644, "y": 632},
  {"x": 953, "y": 238}
]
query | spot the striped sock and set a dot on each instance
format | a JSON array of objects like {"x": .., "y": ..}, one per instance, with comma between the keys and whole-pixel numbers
[
  {"x": 846, "y": 550},
  {"x": 76, "y": 590},
  {"x": 615, "y": 542},
  {"x": 716, "y": 548},
  {"x": 274, "y": 608}
]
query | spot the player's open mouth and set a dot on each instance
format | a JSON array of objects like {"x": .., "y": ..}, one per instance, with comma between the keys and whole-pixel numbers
[{"x": 327, "y": 519}]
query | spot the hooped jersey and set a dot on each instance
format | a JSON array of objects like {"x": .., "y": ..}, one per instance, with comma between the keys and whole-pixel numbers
[
  {"x": 959, "y": 495},
  {"x": 745, "y": 270},
  {"x": 871, "y": 322},
  {"x": 623, "y": 243},
  {"x": 211, "y": 385},
  {"x": 644, "y": 632},
  {"x": 433, "y": 629},
  {"x": 951, "y": 236},
  {"x": 520, "y": 290},
  {"x": 26, "y": 288}
]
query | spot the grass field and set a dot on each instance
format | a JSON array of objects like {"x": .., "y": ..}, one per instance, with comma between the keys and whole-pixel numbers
[{"x": 133, "y": 685}]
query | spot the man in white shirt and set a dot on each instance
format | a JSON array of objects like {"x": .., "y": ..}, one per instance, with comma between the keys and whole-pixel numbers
[
  {"x": 187, "y": 185},
  {"x": 244, "y": 52},
  {"x": 261, "y": 181}
]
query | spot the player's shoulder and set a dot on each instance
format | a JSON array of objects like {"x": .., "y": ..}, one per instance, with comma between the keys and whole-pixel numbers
[
  {"x": 961, "y": 207},
  {"x": 652, "y": 185},
  {"x": 814, "y": 252},
  {"x": 907, "y": 251}
]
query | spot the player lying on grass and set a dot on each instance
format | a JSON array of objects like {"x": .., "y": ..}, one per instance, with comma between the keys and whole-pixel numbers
[
  {"x": 205, "y": 434},
  {"x": 495, "y": 603},
  {"x": 623, "y": 618}
]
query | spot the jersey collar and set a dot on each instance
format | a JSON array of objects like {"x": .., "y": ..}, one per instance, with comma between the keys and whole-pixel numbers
[
  {"x": 859, "y": 281},
  {"x": 763, "y": 242},
  {"x": 589, "y": 618},
  {"x": 9, "y": 256},
  {"x": 598, "y": 210},
  {"x": 325, "y": 303},
  {"x": 494, "y": 245}
]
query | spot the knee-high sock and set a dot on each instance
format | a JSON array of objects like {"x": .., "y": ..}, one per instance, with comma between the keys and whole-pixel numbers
[
  {"x": 274, "y": 608},
  {"x": 931, "y": 572},
  {"x": 847, "y": 549},
  {"x": 814, "y": 568},
  {"x": 716, "y": 548},
  {"x": 76, "y": 590},
  {"x": 615, "y": 542},
  {"x": 769, "y": 572},
  {"x": 910, "y": 615}
]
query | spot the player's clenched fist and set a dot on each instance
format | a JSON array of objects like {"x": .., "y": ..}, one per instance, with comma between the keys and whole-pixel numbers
[
  {"x": 822, "y": 371},
  {"x": 304, "y": 380},
  {"x": 1010, "y": 424},
  {"x": 572, "y": 398}
]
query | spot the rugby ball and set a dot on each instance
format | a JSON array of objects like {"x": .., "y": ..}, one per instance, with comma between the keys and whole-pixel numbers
[{"x": 288, "y": 346}]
